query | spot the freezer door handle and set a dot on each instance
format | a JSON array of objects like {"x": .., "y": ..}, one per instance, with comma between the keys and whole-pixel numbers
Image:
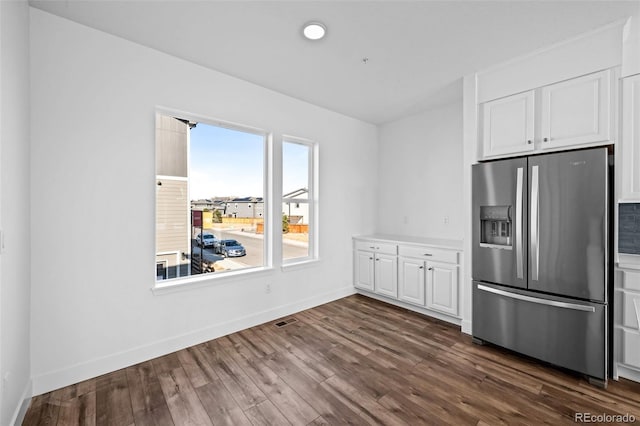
[
  {"x": 555, "y": 303},
  {"x": 535, "y": 223},
  {"x": 518, "y": 224}
]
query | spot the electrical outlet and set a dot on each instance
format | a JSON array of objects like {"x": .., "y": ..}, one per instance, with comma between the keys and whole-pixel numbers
[
  {"x": 446, "y": 220},
  {"x": 267, "y": 288}
]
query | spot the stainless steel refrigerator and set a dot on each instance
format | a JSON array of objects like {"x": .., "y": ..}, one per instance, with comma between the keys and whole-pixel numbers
[{"x": 541, "y": 257}]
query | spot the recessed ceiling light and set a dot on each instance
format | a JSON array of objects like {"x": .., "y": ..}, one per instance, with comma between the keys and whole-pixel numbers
[{"x": 314, "y": 30}]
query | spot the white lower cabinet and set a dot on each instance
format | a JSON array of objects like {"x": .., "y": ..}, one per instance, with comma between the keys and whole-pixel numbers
[
  {"x": 364, "y": 271},
  {"x": 412, "y": 281},
  {"x": 442, "y": 287},
  {"x": 376, "y": 267},
  {"x": 386, "y": 275},
  {"x": 630, "y": 349},
  {"x": 420, "y": 275}
]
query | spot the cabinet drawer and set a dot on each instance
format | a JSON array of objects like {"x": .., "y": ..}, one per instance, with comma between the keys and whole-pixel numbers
[
  {"x": 631, "y": 280},
  {"x": 429, "y": 253},
  {"x": 631, "y": 348},
  {"x": 377, "y": 246},
  {"x": 631, "y": 310}
]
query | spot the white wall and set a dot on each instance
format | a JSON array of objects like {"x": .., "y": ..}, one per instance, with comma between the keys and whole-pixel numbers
[
  {"x": 420, "y": 174},
  {"x": 15, "y": 261},
  {"x": 93, "y": 101}
]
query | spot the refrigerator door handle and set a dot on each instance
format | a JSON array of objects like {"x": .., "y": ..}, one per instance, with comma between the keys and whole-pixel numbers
[
  {"x": 518, "y": 224},
  {"x": 555, "y": 303},
  {"x": 535, "y": 223}
]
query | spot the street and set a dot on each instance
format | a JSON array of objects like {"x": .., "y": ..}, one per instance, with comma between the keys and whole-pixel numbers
[{"x": 253, "y": 246}]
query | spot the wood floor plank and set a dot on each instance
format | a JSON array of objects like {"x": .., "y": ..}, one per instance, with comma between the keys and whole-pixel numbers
[
  {"x": 342, "y": 336},
  {"x": 183, "y": 402},
  {"x": 220, "y": 405},
  {"x": 330, "y": 408},
  {"x": 113, "y": 400},
  {"x": 147, "y": 400},
  {"x": 244, "y": 391},
  {"x": 266, "y": 414},
  {"x": 166, "y": 364},
  {"x": 308, "y": 362},
  {"x": 366, "y": 406},
  {"x": 75, "y": 390},
  {"x": 196, "y": 366},
  {"x": 43, "y": 411},
  {"x": 288, "y": 402},
  {"x": 352, "y": 361},
  {"x": 310, "y": 358},
  {"x": 78, "y": 411},
  {"x": 254, "y": 339}
]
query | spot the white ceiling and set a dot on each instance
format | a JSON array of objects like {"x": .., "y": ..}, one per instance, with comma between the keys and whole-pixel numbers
[{"x": 417, "y": 50}]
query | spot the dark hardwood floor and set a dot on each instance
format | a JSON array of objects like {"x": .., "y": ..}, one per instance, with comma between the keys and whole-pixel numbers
[{"x": 353, "y": 361}]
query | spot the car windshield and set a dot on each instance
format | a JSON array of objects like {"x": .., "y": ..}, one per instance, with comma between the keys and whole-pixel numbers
[
  {"x": 208, "y": 237},
  {"x": 231, "y": 243}
]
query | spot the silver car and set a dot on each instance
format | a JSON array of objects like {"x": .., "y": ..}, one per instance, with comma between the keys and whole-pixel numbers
[
  {"x": 231, "y": 248},
  {"x": 206, "y": 240}
]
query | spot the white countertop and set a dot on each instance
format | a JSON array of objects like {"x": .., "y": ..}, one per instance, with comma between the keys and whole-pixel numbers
[{"x": 405, "y": 239}]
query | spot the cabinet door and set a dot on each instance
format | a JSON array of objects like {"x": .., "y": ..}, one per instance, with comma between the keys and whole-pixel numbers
[
  {"x": 631, "y": 137},
  {"x": 411, "y": 284},
  {"x": 577, "y": 111},
  {"x": 364, "y": 271},
  {"x": 442, "y": 287},
  {"x": 508, "y": 125},
  {"x": 386, "y": 275}
]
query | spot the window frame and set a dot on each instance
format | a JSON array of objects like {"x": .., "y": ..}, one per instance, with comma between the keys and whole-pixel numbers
[
  {"x": 311, "y": 200},
  {"x": 171, "y": 284}
]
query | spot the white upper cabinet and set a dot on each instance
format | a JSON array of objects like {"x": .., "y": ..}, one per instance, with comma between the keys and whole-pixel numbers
[
  {"x": 631, "y": 138},
  {"x": 569, "y": 114},
  {"x": 577, "y": 111},
  {"x": 508, "y": 124}
]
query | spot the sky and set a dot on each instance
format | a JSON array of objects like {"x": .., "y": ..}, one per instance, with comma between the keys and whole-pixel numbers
[{"x": 226, "y": 162}]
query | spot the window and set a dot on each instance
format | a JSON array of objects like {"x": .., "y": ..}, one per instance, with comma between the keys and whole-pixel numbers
[
  {"x": 298, "y": 200},
  {"x": 202, "y": 170}
]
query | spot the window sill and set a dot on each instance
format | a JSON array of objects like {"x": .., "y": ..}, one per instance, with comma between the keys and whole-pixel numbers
[
  {"x": 207, "y": 280},
  {"x": 300, "y": 264}
]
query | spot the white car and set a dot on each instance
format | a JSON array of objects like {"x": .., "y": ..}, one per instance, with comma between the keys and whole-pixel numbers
[{"x": 206, "y": 240}]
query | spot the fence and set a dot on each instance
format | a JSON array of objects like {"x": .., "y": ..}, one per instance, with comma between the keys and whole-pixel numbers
[{"x": 293, "y": 229}]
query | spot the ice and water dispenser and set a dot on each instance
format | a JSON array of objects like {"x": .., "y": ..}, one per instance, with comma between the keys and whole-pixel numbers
[{"x": 495, "y": 226}]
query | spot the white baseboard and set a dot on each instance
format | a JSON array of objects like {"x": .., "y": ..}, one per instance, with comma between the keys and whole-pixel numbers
[
  {"x": 96, "y": 367},
  {"x": 628, "y": 373},
  {"x": 21, "y": 410},
  {"x": 410, "y": 307}
]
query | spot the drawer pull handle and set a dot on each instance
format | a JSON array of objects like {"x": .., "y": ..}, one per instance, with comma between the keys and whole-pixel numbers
[
  {"x": 422, "y": 267},
  {"x": 428, "y": 254},
  {"x": 371, "y": 247},
  {"x": 557, "y": 304}
]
